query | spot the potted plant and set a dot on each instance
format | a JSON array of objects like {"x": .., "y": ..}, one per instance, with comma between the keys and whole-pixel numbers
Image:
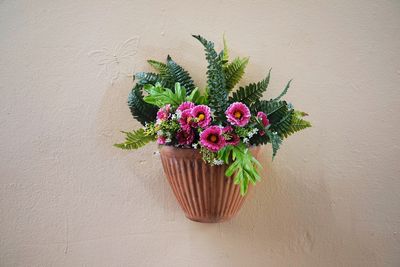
[{"x": 209, "y": 140}]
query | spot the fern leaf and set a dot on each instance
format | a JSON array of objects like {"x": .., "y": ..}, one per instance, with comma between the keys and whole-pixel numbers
[
  {"x": 284, "y": 91},
  {"x": 250, "y": 93},
  {"x": 234, "y": 72},
  {"x": 141, "y": 111},
  {"x": 290, "y": 124},
  {"x": 226, "y": 51},
  {"x": 180, "y": 75},
  {"x": 276, "y": 142},
  {"x": 215, "y": 78},
  {"x": 135, "y": 140},
  {"x": 162, "y": 68}
]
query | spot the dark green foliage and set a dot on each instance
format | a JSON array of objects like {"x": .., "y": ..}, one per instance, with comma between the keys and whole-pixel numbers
[
  {"x": 275, "y": 140},
  {"x": 250, "y": 93},
  {"x": 283, "y": 120},
  {"x": 135, "y": 139},
  {"x": 217, "y": 93},
  {"x": 141, "y": 111},
  {"x": 148, "y": 77},
  {"x": 234, "y": 72},
  {"x": 290, "y": 124},
  {"x": 162, "y": 68},
  {"x": 171, "y": 73},
  {"x": 284, "y": 91},
  {"x": 180, "y": 75}
]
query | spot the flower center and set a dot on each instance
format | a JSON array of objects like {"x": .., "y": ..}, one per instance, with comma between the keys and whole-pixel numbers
[
  {"x": 201, "y": 117},
  {"x": 213, "y": 138},
  {"x": 237, "y": 114},
  {"x": 188, "y": 120}
]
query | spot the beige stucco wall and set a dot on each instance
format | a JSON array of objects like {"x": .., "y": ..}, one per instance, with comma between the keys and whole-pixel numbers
[{"x": 68, "y": 198}]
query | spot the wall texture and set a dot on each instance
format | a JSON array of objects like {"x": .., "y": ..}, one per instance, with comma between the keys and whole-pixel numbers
[{"x": 68, "y": 198}]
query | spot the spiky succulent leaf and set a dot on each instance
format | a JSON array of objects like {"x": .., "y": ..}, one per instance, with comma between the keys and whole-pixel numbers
[
  {"x": 250, "y": 93},
  {"x": 217, "y": 93},
  {"x": 141, "y": 111},
  {"x": 180, "y": 75},
  {"x": 234, "y": 72},
  {"x": 135, "y": 139}
]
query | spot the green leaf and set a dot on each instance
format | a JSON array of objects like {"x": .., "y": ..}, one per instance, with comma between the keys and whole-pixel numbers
[
  {"x": 243, "y": 167},
  {"x": 141, "y": 111},
  {"x": 284, "y": 91},
  {"x": 162, "y": 68},
  {"x": 180, "y": 75},
  {"x": 135, "y": 140},
  {"x": 161, "y": 96},
  {"x": 250, "y": 93},
  {"x": 226, "y": 50},
  {"x": 275, "y": 140},
  {"x": 234, "y": 72},
  {"x": 217, "y": 93}
]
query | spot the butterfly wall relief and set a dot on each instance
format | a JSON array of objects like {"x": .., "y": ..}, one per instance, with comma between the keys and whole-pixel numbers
[{"x": 117, "y": 62}]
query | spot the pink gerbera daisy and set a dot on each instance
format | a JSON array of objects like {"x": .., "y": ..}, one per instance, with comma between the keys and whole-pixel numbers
[
  {"x": 185, "y": 105},
  {"x": 186, "y": 119},
  {"x": 185, "y": 137},
  {"x": 263, "y": 117},
  {"x": 202, "y": 115},
  {"x": 161, "y": 140},
  {"x": 212, "y": 138},
  {"x": 238, "y": 114},
  {"x": 231, "y": 138},
  {"x": 163, "y": 113},
  {"x": 264, "y": 120}
]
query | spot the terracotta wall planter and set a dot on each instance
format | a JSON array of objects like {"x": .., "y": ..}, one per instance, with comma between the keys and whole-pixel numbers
[{"x": 203, "y": 191}]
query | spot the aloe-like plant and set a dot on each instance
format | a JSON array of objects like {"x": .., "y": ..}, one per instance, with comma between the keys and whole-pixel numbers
[{"x": 219, "y": 121}]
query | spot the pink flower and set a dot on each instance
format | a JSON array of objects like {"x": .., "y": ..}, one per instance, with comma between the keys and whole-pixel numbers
[
  {"x": 202, "y": 114},
  {"x": 161, "y": 140},
  {"x": 163, "y": 113},
  {"x": 185, "y": 105},
  {"x": 185, "y": 137},
  {"x": 227, "y": 129},
  {"x": 264, "y": 120},
  {"x": 231, "y": 138},
  {"x": 238, "y": 114},
  {"x": 186, "y": 119},
  {"x": 212, "y": 138},
  {"x": 263, "y": 117}
]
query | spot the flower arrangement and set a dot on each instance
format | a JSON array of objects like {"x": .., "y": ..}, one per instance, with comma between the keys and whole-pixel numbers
[{"x": 220, "y": 122}]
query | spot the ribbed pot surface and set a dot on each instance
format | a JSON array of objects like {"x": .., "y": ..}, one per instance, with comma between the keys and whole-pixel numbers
[{"x": 203, "y": 191}]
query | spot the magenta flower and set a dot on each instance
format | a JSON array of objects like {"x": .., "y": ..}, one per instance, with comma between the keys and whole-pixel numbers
[
  {"x": 231, "y": 138},
  {"x": 212, "y": 138},
  {"x": 238, "y": 114},
  {"x": 263, "y": 117},
  {"x": 186, "y": 119},
  {"x": 163, "y": 113},
  {"x": 202, "y": 115},
  {"x": 161, "y": 140},
  {"x": 185, "y": 137},
  {"x": 185, "y": 105}
]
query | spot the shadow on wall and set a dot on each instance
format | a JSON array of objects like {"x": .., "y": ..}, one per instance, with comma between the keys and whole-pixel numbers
[{"x": 283, "y": 213}]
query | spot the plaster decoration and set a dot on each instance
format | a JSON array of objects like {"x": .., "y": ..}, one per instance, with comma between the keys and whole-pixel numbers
[{"x": 117, "y": 62}]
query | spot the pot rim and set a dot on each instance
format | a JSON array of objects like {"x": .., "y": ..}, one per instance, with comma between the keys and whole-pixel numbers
[{"x": 189, "y": 152}]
